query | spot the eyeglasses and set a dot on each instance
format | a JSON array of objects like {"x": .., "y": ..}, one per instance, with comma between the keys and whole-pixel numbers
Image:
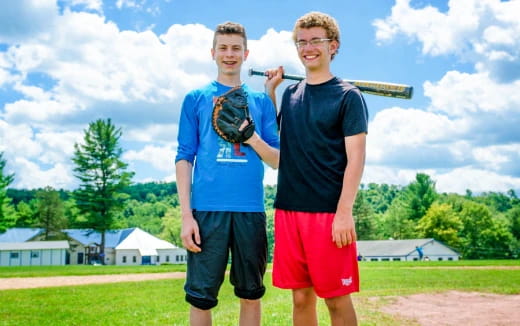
[{"x": 313, "y": 42}]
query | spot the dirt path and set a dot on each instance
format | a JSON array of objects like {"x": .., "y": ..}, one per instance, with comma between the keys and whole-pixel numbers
[{"x": 37, "y": 282}]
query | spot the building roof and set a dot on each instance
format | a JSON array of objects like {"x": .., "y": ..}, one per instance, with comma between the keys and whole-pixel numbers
[
  {"x": 34, "y": 245},
  {"x": 146, "y": 243},
  {"x": 391, "y": 248},
  {"x": 88, "y": 236},
  {"x": 131, "y": 238},
  {"x": 19, "y": 234}
]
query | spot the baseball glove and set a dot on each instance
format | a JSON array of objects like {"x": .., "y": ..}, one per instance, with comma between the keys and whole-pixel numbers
[{"x": 231, "y": 119}]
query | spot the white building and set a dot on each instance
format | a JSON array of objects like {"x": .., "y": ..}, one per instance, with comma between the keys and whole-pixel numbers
[
  {"x": 405, "y": 250},
  {"x": 33, "y": 253},
  {"x": 131, "y": 246}
]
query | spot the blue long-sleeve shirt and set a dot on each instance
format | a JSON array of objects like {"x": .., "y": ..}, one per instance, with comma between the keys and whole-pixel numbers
[{"x": 226, "y": 177}]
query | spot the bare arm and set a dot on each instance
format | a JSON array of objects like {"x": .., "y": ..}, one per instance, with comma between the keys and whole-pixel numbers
[
  {"x": 343, "y": 227},
  {"x": 274, "y": 78},
  {"x": 190, "y": 230},
  {"x": 268, "y": 154}
]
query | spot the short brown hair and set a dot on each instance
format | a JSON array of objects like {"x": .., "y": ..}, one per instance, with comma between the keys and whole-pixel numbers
[
  {"x": 318, "y": 19},
  {"x": 230, "y": 28}
]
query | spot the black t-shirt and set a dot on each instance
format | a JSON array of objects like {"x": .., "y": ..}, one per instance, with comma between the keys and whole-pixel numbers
[{"x": 315, "y": 119}]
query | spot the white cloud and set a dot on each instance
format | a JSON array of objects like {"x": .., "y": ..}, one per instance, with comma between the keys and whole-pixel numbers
[
  {"x": 30, "y": 175},
  {"x": 270, "y": 176},
  {"x": 95, "y": 70},
  {"x": 380, "y": 174},
  {"x": 161, "y": 158},
  {"x": 470, "y": 127},
  {"x": 129, "y": 3},
  {"x": 453, "y": 181},
  {"x": 24, "y": 19},
  {"x": 162, "y": 133},
  {"x": 32, "y": 111},
  {"x": 398, "y": 134},
  {"x": 96, "y": 5},
  {"x": 272, "y": 47},
  {"x": 18, "y": 141},
  {"x": 499, "y": 158},
  {"x": 57, "y": 147},
  {"x": 476, "y": 180},
  {"x": 459, "y": 94},
  {"x": 481, "y": 31}
]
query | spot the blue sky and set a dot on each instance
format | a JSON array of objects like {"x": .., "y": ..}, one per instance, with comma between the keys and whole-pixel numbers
[{"x": 64, "y": 64}]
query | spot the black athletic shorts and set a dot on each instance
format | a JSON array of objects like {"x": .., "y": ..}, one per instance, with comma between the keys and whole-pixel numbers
[{"x": 241, "y": 234}]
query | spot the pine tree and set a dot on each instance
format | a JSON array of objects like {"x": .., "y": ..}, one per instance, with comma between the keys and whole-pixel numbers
[{"x": 103, "y": 177}]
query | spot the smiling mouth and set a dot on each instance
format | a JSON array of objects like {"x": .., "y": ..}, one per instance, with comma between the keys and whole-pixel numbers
[{"x": 310, "y": 57}]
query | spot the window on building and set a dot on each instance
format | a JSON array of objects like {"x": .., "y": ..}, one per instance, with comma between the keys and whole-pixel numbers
[
  {"x": 168, "y": 258},
  {"x": 134, "y": 259},
  {"x": 396, "y": 259},
  {"x": 450, "y": 258},
  {"x": 14, "y": 255},
  {"x": 35, "y": 254},
  {"x": 374, "y": 259},
  {"x": 124, "y": 259},
  {"x": 385, "y": 259},
  {"x": 158, "y": 259}
]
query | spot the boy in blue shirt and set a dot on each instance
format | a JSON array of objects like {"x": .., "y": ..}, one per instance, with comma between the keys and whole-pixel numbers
[{"x": 220, "y": 187}]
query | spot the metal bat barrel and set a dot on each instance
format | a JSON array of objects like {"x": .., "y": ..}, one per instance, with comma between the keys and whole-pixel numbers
[
  {"x": 369, "y": 87},
  {"x": 253, "y": 72}
]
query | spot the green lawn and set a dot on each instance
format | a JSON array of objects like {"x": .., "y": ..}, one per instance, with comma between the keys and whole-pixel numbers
[
  {"x": 34, "y": 271},
  {"x": 162, "y": 302}
]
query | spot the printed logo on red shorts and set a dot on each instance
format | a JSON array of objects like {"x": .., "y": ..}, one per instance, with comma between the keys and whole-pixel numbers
[{"x": 346, "y": 281}]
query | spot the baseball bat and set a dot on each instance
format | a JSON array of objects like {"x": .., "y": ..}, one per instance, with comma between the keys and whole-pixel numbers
[{"x": 369, "y": 87}]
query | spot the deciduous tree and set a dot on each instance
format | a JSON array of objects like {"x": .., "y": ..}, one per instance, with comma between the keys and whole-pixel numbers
[
  {"x": 7, "y": 216},
  {"x": 50, "y": 212},
  {"x": 441, "y": 223}
]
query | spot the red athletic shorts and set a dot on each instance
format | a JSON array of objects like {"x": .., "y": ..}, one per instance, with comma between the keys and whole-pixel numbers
[{"x": 305, "y": 256}]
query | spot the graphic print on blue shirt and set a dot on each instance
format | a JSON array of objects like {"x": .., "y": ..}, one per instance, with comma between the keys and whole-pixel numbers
[{"x": 230, "y": 153}]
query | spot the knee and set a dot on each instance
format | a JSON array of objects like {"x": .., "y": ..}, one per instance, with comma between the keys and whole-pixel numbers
[
  {"x": 303, "y": 298},
  {"x": 332, "y": 305},
  {"x": 342, "y": 303},
  {"x": 247, "y": 303}
]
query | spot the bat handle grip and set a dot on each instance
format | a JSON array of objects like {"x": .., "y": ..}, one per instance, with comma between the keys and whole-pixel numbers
[{"x": 253, "y": 72}]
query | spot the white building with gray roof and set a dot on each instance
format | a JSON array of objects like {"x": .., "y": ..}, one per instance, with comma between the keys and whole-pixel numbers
[
  {"x": 132, "y": 246},
  {"x": 405, "y": 250}
]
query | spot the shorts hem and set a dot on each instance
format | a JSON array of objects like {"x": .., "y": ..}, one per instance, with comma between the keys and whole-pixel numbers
[
  {"x": 250, "y": 295},
  {"x": 335, "y": 294},
  {"x": 202, "y": 304},
  {"x": 292, "y": 286}
]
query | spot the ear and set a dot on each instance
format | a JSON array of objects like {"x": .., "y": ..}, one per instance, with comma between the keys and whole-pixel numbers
[
  {"x": 246, "y": 53},
  {"x": 333, "y": 47},
  {"x": 213, "y": 53}
]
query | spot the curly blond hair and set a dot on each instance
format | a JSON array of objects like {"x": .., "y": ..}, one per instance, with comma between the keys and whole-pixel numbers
[{"x": 318, "y": 19}]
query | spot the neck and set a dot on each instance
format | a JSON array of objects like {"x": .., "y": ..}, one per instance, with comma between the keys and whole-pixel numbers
[
  {"x": 318, "y": 77},
  {"x": 229, "y": 80}
]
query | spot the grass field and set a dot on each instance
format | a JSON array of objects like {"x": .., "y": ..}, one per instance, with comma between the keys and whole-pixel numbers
[{"x": 162, "y": 302}]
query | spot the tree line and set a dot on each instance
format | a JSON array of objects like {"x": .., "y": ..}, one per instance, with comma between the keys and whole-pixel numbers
[{"x": 478, "y": 226}]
